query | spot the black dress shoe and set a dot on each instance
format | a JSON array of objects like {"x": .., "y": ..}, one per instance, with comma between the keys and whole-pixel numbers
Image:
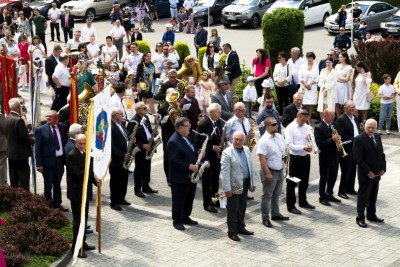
[
  {"x": 179, "y": 226},
  {"x": 125, "y": 203},
  {"x": 307, "y": 206},
  {"x": 139, "y": 194},
  {"x": 211, "y": 209},
  {"x": 334, "y": 199},
  {"x": 343, "y": 195},
  {"x": 279, "y": 218},
  {"x": 324, "y": 202},
  {"x": 375, "y": 219},
  {"x": 115, "y": 207},
  {"x": 62, "y": 208},
  {"x": 267, "y": 223},
  {"x": 88, "y": 231},
  {"x": 88, "y": 247},
  {"x": 354, "y": 192},
  {"x": 250, "y": 198},
  {"x": 361, "y": 223},
  {"x": 150, "y": 191},
  {"x": 234, "y": 237},
  {"x": 190, "y": 221},
  {"x": 82, "y": 255},
  {"x": 87, "y": 226},
  {"x": 295, "y": 211},
  {"x": 244, "y": 231}
]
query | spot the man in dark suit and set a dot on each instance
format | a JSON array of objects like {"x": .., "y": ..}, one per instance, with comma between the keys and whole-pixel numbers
[
  {"x": 194, "y": 110},
  {"x": 213, "y": 127},
  {"x": 172, "y": 82},
  {"x": 328, "y": 157},
  {"x": 290, "y": 112},
  {"x": 75, "y": 174},
  {"x": 232, "y": 65},
  {"x": 141, "y": 174},
  {"x": 20, "y": 144},
  {"x": 136, "y": 35},
  {"x": 182, "y": 157},
  {"x": 3, "y": 150},
  {"x": 348, "y": 128},
  {"x": 200, "y": 40},
  {"x": 67, "y": 24},
  {"x": 224, "y": 99},
  {"x": 50, "y": 156},
  {"x": 51, "y": 63},
  {"x": 371, "y": 162},
  {"x": 119, "y": 154},
  {"x": 74, "y": 130}
]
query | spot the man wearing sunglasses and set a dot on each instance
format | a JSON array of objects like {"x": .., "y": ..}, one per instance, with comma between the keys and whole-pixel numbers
[
  {"x": 332, "y": 56},
  {"x": 342, "y": 41}
]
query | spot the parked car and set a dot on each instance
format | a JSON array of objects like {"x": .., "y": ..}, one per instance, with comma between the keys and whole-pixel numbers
[
  {"x": 200, "y": 10},
  {"x": 91, "y": 8},
  {"x": 373, "y": 13},
  {"x": 45, "y": 5},
  {"x": 245, "y": 12},
  {"x": 16, "y": 4},
  {"x": 162, "y": 7},
  {"x": 391, "y": 25},
  {"x": 315, "y": 11}
]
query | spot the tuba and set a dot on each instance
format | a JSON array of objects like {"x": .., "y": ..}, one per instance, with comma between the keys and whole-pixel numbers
[
  {"x": 251, "y": 143},
  {"x": 174, "y": 110},
  {"x": 84, "y": 103}
]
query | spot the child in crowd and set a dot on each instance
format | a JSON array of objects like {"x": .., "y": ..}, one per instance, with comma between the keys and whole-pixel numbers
[
  {"x": 113, "y": 74},
  {"x": 174, "y": 22},
  {"x": 386, "y": 93},
  {"x": 129, "y": 98},
  {"x": 249, "y": 95},
  {"x": 23, "y": 81},
  {"x": 207, "y": 87}
]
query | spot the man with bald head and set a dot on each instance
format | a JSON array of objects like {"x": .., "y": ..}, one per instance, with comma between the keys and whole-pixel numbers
[
  {"x": 239, "y": 122},
  {"x": 371, "y": 165},
  {"x": 237, "y": 176}
]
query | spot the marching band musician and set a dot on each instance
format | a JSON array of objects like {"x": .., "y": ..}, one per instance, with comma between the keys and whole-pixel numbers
[
  {"x": 300, "y": 162},
  {"x": 239, "y": 122},
  {"x": 237, "y": 176},
  {"x": 172, "y": 82},
  {"x": 212, "y": 126},
  {"x": 182, "y": 155},
  {"x": 194, "y": 110},
  {"x": 270, "y": 151},
  {"x": 117, "y": 100},
  {"x": 328, "y": 158},
  {"x": 141, "y": 174}
]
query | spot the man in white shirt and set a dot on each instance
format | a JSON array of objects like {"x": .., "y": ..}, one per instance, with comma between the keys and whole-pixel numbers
[
  {"x": 87, "y": 31},
  {"x": 167, "y": 61},
  {"x": 61, "y": 79},
  {"x": 73, "y": 44},
  {"x": 295, "y": 62},
  {"x": 54, "y": 17},
  {"x": 173, "y": 8},
  {"x": 118, "y": 33},
  {"x": 300, "y": 147},
  {"x": 270, "y": 151},
  {"x": 117, "y": 100},
  {"x": 239, "y": 122},
  {"x": 134, "y": 59},
  {"x": 109, "y": 52},
  {"x": 12, "y": 50},
  {"x": 93, "y": 50}
]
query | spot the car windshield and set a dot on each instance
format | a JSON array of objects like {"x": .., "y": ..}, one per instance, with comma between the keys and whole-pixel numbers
[
  {"x": 246, "y": 2},
  {"x": 204, "y": 3},
  {"x": 363, "y": 8}
]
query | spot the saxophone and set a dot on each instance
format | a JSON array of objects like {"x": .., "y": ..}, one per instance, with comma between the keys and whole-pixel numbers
[
  {"x": 222, "y": 143},
  {"x": 153, "y": 145},
  {"x": 174, "y": 110},
  {"x": 251, "y": 143},
  {"x": 132, "y": 149},
  {"x": 196, "y": 176}
]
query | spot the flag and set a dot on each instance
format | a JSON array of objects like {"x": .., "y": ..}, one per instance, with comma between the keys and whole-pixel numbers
[
  {"x": 73, "y": 101},
  {"x": 8, "y": 76}
]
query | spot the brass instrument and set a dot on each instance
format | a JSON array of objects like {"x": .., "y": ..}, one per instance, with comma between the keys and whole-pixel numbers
[
  {"x": 132, "y": 149},
  {"x": 339, "y": 143},
  {"x": 223, "y": 143},
  {"x": 174, "y": 109},
  {"x": 196, "y": 176},
  {"x": 154, "y": 143},
  {"x": 221, "y": 195},
  {"x": 309, "y": 136},
  {"x": 235, "y": 99},
  {"x": 287, "y": 163},
  {"x": 84, "y": 103},
  {"x": 251, "y": 143}
]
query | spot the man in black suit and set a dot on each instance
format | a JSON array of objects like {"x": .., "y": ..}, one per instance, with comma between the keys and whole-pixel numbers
[
  {"x": 51, "y": 63},
  {"x": 212, "y": 126},
  {"x": 200, "y": 40},
  {"x": 136, "y": 35},
  {"x": 74, "y": 130},
  {"x": 348, "y": 128},
  {"x": 50, "y": 156},
  {"x": 371, "y": 162},
  {"x": 141, "y": 174},
  {"x": 75, "y": 164},
  {"x": 290, "y": 112},
  {"x": 182, "y": 157},
  {"x": 232, "y": 66},
  {"x": 20, "y": 144},
  {"x": 224, "y": 99},
  {"x": 194, "y": 110},
  {"x": 119, "y": 154},
  {"x": 328, "y": 157},
  {"x": 3, "y": 150},
  {"x": 172, "y": 82},
  {"x": 67, "y": 24}
]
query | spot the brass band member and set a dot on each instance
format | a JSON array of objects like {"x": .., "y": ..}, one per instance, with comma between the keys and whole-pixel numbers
[
  {"x": 239, "y": 122},
  {"x": 299, "y": 149},
  {"x": 328, "y": 158},
  {"x": 224, "y": 98},
  {"x": 182, "y": 155},
  {"x": 194, "y": 111},
  {"x": 172, "y": 82},
  {"x": 212, "y": 126},
  {"x": 270, "y": 151},
  {"x": 237, "y": 173}
]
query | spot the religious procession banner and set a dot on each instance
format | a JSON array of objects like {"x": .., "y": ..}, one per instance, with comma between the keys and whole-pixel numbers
[{"x": 8, "y": 76}]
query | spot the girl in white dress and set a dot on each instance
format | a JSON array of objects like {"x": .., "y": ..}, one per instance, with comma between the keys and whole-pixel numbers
[
  {"x": 327, "y": 84},
  {"x": 207, "y": 86},
  {"x": 308, "y": 77},
  {"x": 361, "y": 82},
  {"x": 343, "y": 71}
]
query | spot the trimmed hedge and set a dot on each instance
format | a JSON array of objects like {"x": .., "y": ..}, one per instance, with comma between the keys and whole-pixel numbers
[
  {"x": 335, "y": 4},
  {"x": 183, "y": 51},
  {"x": 282, "y": 30},
  {"x": 143, "y": 46},
  {"x": 202, "y": 52}
]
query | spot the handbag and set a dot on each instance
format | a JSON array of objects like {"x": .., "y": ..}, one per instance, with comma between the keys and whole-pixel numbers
[
  {"x": 292, "y": 85},
  {"x": 370, "y": 96}
]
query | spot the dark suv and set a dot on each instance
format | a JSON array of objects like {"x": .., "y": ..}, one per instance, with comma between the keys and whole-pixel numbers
[{"x": 200, "y": 10}]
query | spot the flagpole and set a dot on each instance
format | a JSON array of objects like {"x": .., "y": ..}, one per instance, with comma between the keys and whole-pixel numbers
[
  {"x": 98, "y": 218},
  {"x": 6, "y": 85},
  {"x": 32, "y": 92}
]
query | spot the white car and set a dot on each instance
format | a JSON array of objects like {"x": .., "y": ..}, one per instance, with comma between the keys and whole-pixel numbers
[
  {"x": 315, "y": 11},
  {"x": 91, "y": 8}
]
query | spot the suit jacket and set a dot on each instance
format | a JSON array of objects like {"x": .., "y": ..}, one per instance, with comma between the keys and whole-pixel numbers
[
  {"x": 75, "y": 173},
  {"x": 45, "y": 150},
  {"x": 141, "y": 137},
  {"x": 167, "y": 129},
  {"x": 206, "y": 126},
  {"x": 71, "y": 21},
  {"x": 50, "y": 66},
  {"x": 69, "y": 146},
  {"x": 201, "y": 38},
  {"x": 3, "y": 135},
  {"x": 193, "y": 112},
  {"x": 289, "y": 114},
  {"x": 63, "y": 115},
  {"x": 346, "y": 131},
  {"x": 226, "y": 109},
  {"x": 139, "y": 37},
  {"x": 180, "y": 156},
  {"x": 233, "y": 66},
  {"x": 119, "y": 146},
  {"x": 367, "y": 157},
  {"x": 231, "y": 169},
  {"x": 323, "y": 137},
  {"x": 18, "y": 139}
]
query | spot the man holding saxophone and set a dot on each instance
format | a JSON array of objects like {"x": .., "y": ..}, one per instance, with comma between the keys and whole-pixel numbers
[{"x": 328, "y": 141}]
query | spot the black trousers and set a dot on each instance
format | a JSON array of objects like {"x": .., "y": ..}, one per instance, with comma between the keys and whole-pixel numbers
[
  {"x": 76, "y": 220},
  {"x": 118, "y": 184},
  {"x": 67, "y": 33},
  {"x": 348, "y": 177},
  {"x": 258, "y": 86},
  {"x": 60, "y": 98},
  {"x": 236, "y": 209},
  {"x": 42, "y": 37},
  {"x": 210, "y": 182},
  {"x": 165, "y": 158},
  {"x": 141, "y": 174},
  {"x": 57, "y": 27},
  {"x": 300, "y": 168},
  {"x": 328, "y": 174},
  {"x": 52, "y": 180},
  {"x": 182, "y": 201},
  {"x": 367, "y": 196},
  {"x": 283, "y": 94},
  {"x": 19, "y": 173}
]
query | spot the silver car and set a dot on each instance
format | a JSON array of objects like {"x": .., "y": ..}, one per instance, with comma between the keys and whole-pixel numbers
[{"x": 91, "y": 8}]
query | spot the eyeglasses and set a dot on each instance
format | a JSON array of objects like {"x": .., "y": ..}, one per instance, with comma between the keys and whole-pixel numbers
[
  {"x": 159, "y": 45},
  {"x": 274, "y": 124},
  {"x": 143, "y": 108},
  {"x": 329, "y": 55}
]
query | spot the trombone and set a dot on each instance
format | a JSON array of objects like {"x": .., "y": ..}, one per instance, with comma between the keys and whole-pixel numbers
[{"x": 339, "y": 143}]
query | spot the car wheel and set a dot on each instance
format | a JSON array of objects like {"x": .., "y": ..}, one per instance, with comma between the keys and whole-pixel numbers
[
  {"x": 210, "y": 19},
  {"x": 324, "y": 18},
  {"x": 90, "y": 14},
  {"x": 227, "y": 25},
  {"x": 254, "y": 22}
]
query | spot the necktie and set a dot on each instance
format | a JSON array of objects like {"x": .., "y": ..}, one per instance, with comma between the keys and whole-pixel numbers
[
  {"x": 216, "y": 128},
  {"x": 56, "y": 142},
  {"x": 189, "y": 143},
  {"x": 244, "y": 129},
  {"x": 374, "y": 141},
  {"x": 66, "y": 21}
]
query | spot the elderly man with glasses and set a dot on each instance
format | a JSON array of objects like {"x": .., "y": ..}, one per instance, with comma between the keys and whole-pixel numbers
[{"x": 239, "y": 122}]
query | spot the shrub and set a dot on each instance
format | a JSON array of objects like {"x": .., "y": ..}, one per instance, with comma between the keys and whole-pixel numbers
[
  {"x": 222, "y": 59},
  {"x": 335, "y": 4},
  {"x": 143, "y": 46},
  {"x": 202, "y": 52},
  {"x": 242, "y": 83},
  {"x": 290, "y": 23},
  {"x": 10, "y": 197},
  {"x": 13, "y": 256},
  {"x": 183, "y": 51}
]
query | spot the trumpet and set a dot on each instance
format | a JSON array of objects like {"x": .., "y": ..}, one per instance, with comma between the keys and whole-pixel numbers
[
  {"x": 221, "y": 195},
  {"x": 309, "y": 136},
  {"x": 339, "y": 144}
]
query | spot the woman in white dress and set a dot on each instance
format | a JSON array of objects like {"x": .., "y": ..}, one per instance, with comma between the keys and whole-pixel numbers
[
  {"x": 361, "y": 82},
  {"x": 308, "y": 77},
  {"x": 38, "y": 57},
  {"x": 327, "y": 84},
  {"x": 343, "y": 71}
]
